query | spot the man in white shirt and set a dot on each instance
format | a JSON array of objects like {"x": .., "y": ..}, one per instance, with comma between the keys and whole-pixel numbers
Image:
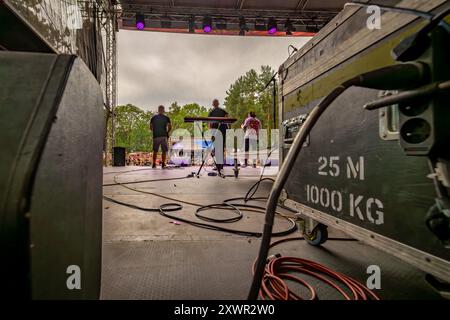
[{"x": 251, "y": 125}]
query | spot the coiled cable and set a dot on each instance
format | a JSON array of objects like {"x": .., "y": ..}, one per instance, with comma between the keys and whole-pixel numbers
[{"x": 279, "y": 269}]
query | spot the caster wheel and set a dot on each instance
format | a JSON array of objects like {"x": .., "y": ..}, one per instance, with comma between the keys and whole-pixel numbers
[{"x": 318, "y": 236}]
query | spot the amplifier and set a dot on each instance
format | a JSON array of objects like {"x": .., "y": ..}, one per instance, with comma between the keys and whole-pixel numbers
[{"x": 380, "y": 175}]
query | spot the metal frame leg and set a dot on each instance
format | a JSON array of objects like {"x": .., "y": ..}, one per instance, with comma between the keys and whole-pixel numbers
[{"x": 205, "y": 157}]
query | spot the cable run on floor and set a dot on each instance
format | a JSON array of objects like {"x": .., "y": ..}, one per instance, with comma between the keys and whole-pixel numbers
[
  {"x": 227, "y": 204},
  {"x": 280, "y": 270}
]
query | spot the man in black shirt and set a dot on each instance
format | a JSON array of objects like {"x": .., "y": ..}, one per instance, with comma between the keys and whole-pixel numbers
[
  {"x": 161, "y": 126},
  {"x": 219, "y": 152}
]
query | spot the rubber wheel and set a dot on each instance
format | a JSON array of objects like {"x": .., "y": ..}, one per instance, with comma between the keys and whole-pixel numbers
[{"x": 318, "y": 236}]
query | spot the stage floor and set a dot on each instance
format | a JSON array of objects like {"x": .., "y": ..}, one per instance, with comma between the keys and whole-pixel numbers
[{"x": 148, "y": 256}]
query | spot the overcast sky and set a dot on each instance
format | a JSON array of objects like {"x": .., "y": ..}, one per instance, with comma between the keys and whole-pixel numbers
[{"x": 160, "y": 68}]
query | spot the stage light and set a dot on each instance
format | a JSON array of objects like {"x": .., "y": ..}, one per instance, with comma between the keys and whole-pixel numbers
[
  {"x": 242, "y": 26},
  {"x": 192, "y": 24},
  {"x": 207, "y": 24},
  {"x": 272, "y": 26},
  {"x": 140, "y": 21},
  {"x": 289, "y": 27}
]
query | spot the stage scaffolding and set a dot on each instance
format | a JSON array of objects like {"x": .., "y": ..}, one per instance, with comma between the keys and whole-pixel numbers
[{"x": 86, "y": 28}]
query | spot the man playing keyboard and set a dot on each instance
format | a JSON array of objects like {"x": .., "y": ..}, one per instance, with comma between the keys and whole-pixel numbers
[{"x": 219, "y": 151}]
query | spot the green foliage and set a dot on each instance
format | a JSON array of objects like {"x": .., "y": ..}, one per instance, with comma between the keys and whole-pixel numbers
[
  {"x": 177, "y": 114},
  {"x": 133, "y": 124},
  {"x": 133, "y": 128},
  {"x": 247, "y": 94}
]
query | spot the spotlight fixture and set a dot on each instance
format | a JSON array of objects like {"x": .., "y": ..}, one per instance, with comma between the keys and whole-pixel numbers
[
  {"x": 207, "y": 24},
  {"x": 140, "y": 21},
  {"x": 192, "y": 24},
  {"x": 289, "y": 27},
  {"x": 272, "y": 26},
  {"x": 242, "y": 26}
]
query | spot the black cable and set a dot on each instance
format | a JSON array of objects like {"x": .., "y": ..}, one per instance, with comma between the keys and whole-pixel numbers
[
  {"x": 166, "y": 206},
  {"x": 414, "y": 46},
  {"x": 279, "y": 183},
  {"x": 402, "y": 76},
  {"x": 289, "y": 51},
  {"x": 435, "y": 21},
  {"x": 292, "y": 229},
  {"x": 143, "y": 181},
  {"x": 253, "y": 189},
  {"x": 164, "y": 210},
  {"x": 225, "y": 205},
  {"x": 249, "y": 195},
  {"x": 219, "y": 206}
]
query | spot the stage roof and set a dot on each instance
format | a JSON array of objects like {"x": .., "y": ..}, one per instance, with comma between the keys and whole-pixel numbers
[{"x": 306, "y": 16}]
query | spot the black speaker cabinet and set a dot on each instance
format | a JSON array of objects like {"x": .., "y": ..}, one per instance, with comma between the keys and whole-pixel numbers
[
  {"x": 119, "y": 157},
  {"x": 51, "y": 123}
]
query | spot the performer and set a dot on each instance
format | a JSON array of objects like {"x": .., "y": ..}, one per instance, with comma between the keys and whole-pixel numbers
[
  {"x": 160, "y": 125},
  {"x": 219, "y": 151},
  {"x": 251, "y": 125}
]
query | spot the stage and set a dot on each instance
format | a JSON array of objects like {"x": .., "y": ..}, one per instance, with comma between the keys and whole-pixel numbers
[{"x": 148, "y": 256}]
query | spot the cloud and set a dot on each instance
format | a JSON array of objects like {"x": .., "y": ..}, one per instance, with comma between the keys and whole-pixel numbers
[{"x": 160, "y": 68}]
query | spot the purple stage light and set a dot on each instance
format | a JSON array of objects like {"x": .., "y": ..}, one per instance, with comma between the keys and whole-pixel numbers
[
  {"x": 272, "y": 26},
  {"x": 140, "y": 26},
  {"x": 140, "y": 21},
  {"x": 207, "y": 29},
  {"x": 207, "y": 24}
]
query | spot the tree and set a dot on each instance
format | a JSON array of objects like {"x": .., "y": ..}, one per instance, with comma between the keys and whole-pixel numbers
[
  {"x": 177, "y": 114},
  {"x": 247, "y": 94},
  {"x": 132, "y": 128},
  {"x": 132, "y": 124}
]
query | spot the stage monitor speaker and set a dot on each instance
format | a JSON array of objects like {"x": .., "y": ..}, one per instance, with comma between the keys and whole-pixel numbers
[
  {"x": 119, "y": 157},
  {"x": 52, "y": 123}
]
